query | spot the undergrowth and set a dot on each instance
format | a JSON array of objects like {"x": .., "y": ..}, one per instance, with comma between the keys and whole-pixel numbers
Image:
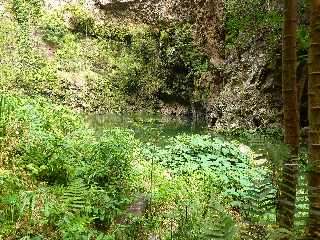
[
  {"x": 60, "y": 181},
  {"x": 57, "y": 179}
]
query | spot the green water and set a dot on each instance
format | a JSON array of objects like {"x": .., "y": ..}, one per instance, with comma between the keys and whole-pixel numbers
[{"x": 147, "y": 127}]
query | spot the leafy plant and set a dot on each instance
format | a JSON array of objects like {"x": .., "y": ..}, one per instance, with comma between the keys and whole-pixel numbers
[
  {"x": 64, "y": 180},
  {"x": 53, "y": 28},
  {"x": 261, "y": 17},
  {"x": 229, "y": 169}
]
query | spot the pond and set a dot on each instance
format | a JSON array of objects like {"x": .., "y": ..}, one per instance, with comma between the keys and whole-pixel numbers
[{"x": 153, "y": 128}]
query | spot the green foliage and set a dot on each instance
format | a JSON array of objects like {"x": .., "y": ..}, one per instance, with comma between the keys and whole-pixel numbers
[
  {"x": 216, "y": 223},
  {"x": 53, "y": 28},
  {"x": 182, "y": 59},
  {"x": 183, "y": 206},
  {"x": 75, "y": 196},
  {"x": 97, "y": 66},
  {"x": 59, "y": 181},
  {"x": 54, "y": 173},
  {"x": 228, "y": 173},
  {"x": 202, "y": 150},
  {"x": 43, "y": 149},
  {"x": 112, "y": 161},
  {"x": 252, "y": 19},
  {"x": 24, "y": 66},
  {"x": 26, "y": 10},
  {"x": 10, "y": 205},
  {"x": 303, "y": 39},
  {"x": 81, "y": 20},
  {"x": 229, "y": 169}
]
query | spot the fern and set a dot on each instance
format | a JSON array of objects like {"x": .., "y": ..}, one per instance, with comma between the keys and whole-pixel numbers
[
  {"x": 276, "y": 154},
  {"x": 74, "y": 197},
  {"x": 224, "y": 227},
  {"x": 210, "y": 222},
  {"x": 302, "y": 205},
  {"x": 260, "y": 202}
]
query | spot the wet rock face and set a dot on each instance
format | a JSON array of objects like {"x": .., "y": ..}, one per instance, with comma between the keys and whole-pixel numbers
[
  {"x": 173, "y": 109},
  {"x": 207, "y": 16},
  {"x": 239, "y": 91},
  {"x": 250, "y": 95},
  {"x": 242, "y": 92}
]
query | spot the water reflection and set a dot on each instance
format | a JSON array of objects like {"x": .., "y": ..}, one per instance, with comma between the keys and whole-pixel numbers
[{"x": 147, "y": 127}]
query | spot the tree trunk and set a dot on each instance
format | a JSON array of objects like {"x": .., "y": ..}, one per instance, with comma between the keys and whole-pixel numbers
[
  {"x": 313, "y": 231},
  {"x": 286, "y": 206}
]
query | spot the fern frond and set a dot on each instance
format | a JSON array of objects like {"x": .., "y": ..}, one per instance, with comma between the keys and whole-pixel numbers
[{"x": 75, "y": 196}]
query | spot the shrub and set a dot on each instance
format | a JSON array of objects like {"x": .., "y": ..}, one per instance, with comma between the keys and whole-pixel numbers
[
  {"x": 111, "y": 165},
  {"x": 61, "y": 181},
  {"x": 53, "y": 28},
  {"x": 49, "y": 137}
]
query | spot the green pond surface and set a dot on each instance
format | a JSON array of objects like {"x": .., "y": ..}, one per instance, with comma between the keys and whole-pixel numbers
[{"x": 147, "y": 127}]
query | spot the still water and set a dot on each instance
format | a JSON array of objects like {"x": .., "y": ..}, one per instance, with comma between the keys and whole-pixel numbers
[{"x": 147, "y": 127}]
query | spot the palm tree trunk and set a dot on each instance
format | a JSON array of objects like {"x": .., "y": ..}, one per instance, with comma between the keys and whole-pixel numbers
[
  {"x": 313, "y": 231},
  {"x": 287, "y": 198}
]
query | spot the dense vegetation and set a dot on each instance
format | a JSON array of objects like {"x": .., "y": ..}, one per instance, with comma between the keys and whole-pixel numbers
[
  {"x": 65, "y": 176},
  {"x": 59, "y": 181},
  {"x": 96, "y": 66}
]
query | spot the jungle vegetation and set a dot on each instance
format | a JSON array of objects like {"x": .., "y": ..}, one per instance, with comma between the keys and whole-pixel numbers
[{"x": 145, "y": 120}]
